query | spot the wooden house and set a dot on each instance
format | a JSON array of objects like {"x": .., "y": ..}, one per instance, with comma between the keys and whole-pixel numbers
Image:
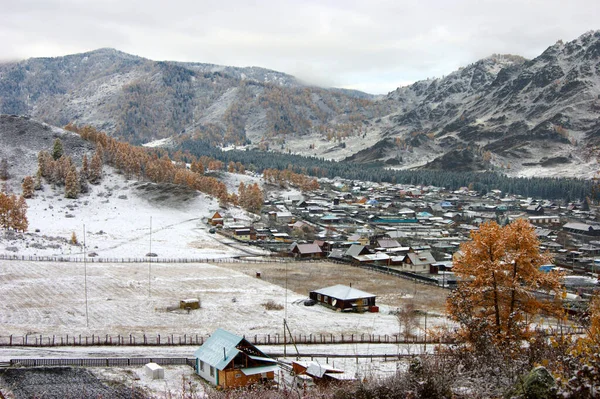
[
  {"x": 228, "y": 361},
  {"x": 216, "y": 219},
  {"x": 344, "y": 298},
  {"x": 418, "y": 262},
  {"x": 244, "y": 234},
  {"x": 305, "y": 250}
]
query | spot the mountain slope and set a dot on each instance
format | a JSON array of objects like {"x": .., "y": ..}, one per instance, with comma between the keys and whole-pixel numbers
[
  {"x": 142, "y": 100},
  {"x": 508, "y": 112}
]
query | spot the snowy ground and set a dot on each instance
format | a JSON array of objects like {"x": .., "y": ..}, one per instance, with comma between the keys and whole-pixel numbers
[
  {"x": 132, "y": 298},
  {"x": 117, "y": 215}
]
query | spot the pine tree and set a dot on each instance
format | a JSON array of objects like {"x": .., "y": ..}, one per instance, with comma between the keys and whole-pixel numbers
[
  {"x": 4, "y": 172},
  {"x": 95, "y": 172},
  {"x": 57, "y": 149},
  {"x": 72, "y": 188},
  {"x": 28, "y": 186},
  {"x": 85, "y": 167},
  {"x": 74, "y": 240}
]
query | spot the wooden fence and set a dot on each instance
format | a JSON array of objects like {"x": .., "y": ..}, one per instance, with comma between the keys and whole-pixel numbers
[
  {"x": 257, "y": 339},
  {"x": 179, "y": 361},
  {"x": 238, "y": 259},
  {"x": 103, "y": 362}
]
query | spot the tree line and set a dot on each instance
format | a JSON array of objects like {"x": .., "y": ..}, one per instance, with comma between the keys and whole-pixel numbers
[
  {"x": 483, "y": 182},
  {"x": 155, "y": 165}
]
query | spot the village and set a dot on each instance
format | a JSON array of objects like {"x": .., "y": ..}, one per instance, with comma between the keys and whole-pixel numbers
[{"x": 413, "y": 232}]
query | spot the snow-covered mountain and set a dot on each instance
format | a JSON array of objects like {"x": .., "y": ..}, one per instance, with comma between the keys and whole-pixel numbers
[
  {"x": 524, "y": 117},
  {"x": 539, "y": 115}
]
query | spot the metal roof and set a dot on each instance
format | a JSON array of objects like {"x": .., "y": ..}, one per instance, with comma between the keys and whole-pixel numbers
[
  {"x": 219, "y": 349},
  {"x": 259, "y": 370},
  {"x": 343, "y": 292}
]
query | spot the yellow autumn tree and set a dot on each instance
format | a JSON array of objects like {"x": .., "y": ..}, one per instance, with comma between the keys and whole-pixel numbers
[{"x": 501, "y": 289}]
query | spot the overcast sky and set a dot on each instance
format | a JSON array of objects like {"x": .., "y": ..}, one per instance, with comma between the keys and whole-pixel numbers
[{"x": 369, "y": 45}]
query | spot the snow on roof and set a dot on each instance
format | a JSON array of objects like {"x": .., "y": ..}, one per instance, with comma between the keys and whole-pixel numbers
[
  {"x": 343, "y": 292},
  {"x": 259, "y": 370},
  {"x": 219, "y": 349}
]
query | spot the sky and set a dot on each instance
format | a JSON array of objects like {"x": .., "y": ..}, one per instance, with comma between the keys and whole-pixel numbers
[{"x": 370, "y": 45}]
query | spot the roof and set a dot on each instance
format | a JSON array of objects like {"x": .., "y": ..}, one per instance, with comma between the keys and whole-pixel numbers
[
  {"x": 259, "y": 370},
  {"x": 581, "y": 226},
  {"x": 355, "y": 250},
  {"x": 343, "y": 292},
  {"x": 307, "y": 248},
  {"x": 422, "y": 258},
  {"x": 318, "y": 370},
  {"x": 388, "y": 243},
  {"x": 219, "y": 349}
]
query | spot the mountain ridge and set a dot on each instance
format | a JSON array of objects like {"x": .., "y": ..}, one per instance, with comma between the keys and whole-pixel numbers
[{"x": 507, "y": 112}]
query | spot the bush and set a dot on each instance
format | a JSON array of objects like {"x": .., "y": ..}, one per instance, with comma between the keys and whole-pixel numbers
[{"x": 271, "y": 305}]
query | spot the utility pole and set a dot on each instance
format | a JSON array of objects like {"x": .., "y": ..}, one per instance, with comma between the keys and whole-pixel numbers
[
  {"x": 150, "y": 261},
  {"x": 87, "y": 320}
]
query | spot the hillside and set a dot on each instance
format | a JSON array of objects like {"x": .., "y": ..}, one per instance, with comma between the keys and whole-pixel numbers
[
  {"x": 142, "y": 100},
  {"x": 536, "y": 117},
  {"x": 527, "y": 117}
]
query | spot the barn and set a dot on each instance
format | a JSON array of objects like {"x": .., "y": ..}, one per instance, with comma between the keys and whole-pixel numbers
[
  {"x": 229, "y": 361},
  {"x": 344, "y": 298}
]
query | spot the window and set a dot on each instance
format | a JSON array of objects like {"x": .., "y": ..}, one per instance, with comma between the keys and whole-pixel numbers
[
  {"x": 325, "y": 298},
  {"x": 238, "y": 375},
  {"x": 212, "y": 371},
  {"x": 318, "y": 297},
  {"x": 201, "y": 365}
]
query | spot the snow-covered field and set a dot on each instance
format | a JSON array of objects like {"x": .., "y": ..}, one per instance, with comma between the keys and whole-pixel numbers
[
  {"x": 49, "y": 298},
  {"x": 117, "y": 215}
]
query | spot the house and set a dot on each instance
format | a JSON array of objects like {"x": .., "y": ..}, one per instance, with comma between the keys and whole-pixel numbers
[
  {"x": 305, "y": 250},
  {"x": 216, "y": 219},
  {"x": 582, "y": 228},
  {"x": 344, "y": 298},
  {"x": 229, "y": 361},
  {"x": 418, "y": 262},
  {"x": 244, "y": 234},
  {"x": 356, "y": 250},
  {"x": 535, "y": 209}
]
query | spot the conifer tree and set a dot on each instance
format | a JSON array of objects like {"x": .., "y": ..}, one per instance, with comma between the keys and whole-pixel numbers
[
  {"x": 499, "y": 279},
  {"x": 95, "y": 172},
  {"x": 28, "y": 186},
  {"x": 57, "y": 149},
  {"x": 72, "y": 184}
]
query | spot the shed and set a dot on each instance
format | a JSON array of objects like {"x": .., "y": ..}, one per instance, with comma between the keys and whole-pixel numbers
[
  {"x": 154, "y": 371},
  {"x": 191, "y": 303},
  {"x": 344, "y": 298}
]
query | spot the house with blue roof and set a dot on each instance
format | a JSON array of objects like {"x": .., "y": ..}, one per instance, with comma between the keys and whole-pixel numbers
[{"x": 230, "y": 361}]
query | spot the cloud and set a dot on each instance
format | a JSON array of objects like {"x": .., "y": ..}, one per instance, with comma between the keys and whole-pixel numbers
[{"x": 369, "y": 44}]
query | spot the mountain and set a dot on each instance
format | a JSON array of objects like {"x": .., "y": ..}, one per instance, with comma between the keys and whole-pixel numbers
[
  {"x": 524, "y": 117},
  {"x": 141, "y": 100}
]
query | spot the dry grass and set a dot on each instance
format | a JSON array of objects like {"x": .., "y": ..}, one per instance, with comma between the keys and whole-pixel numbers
[{"x": 302, "y": 277}]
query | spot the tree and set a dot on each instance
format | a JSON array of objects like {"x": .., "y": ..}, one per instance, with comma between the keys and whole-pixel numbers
[
  {"x": 501, "y": 288},
  {"x": 28, "y": 186},
  {"x": 74, "y": 240},
  {"x": 57, "y": 149},
  {"x": 95, "y": 171},
  {"x": 407, "y": 319},
  {"x": 72, "y": 188},
  {"x": 4, "y": 173}
]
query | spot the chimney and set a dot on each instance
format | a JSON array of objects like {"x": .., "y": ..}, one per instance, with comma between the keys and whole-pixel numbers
[{"x": 224, "y": 354}]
